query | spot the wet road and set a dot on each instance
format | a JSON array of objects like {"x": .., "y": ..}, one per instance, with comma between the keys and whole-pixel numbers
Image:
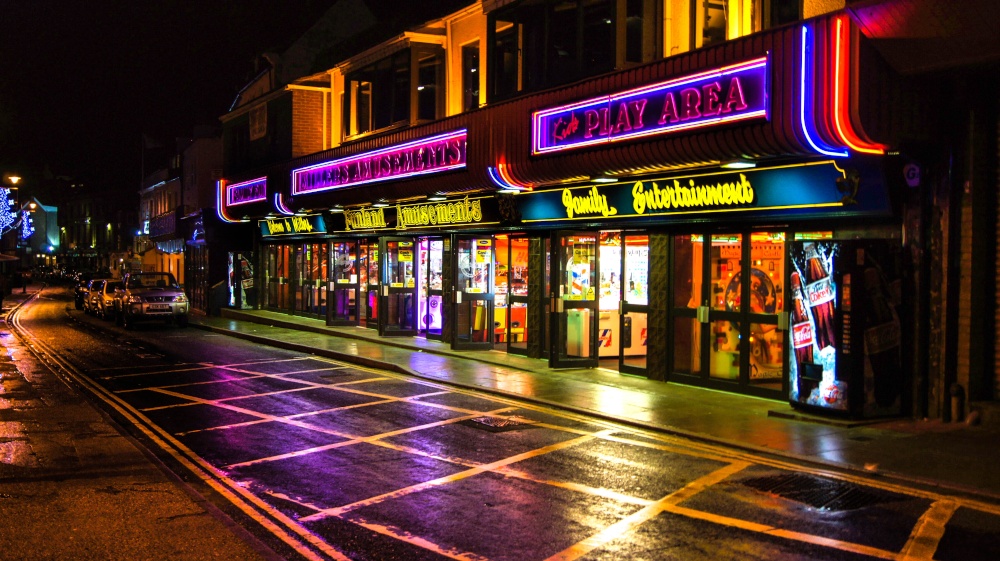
[{"x": 324, "y": 459}]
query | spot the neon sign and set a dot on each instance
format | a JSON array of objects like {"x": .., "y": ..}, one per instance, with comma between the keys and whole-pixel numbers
[
  {"x": 464, "y": 211},
  {"x": 293, "y": 225},
  {"x": 428, "y": 155},
  {"x": 714, "y": 97},
  {"x": 246, "y": 192},
  {"x": 803, "y": 189}
]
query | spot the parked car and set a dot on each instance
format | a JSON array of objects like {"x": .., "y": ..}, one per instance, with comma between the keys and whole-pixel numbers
[
  {"x": 81, "y": 291},
  {"x": 91, "y": 302},
  {"x": 151, "y": 296},
  {"x": 106, "y": 299}
]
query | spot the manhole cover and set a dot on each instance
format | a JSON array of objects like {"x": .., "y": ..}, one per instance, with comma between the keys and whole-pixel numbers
[
  {"x": 817, "y": 492},
  {"x": 493, "y": 423}
]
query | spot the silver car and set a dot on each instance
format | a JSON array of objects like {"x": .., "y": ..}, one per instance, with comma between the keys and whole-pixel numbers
[{"x": 151, "y": 296}]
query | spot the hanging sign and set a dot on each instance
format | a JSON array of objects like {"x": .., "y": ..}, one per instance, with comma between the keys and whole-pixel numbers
[
  {"x": 801, "y": 188},
  {"x": 293, "y": 225},
  {"x": 720, "y": 95},
  {"x": 246, "y": 192}
]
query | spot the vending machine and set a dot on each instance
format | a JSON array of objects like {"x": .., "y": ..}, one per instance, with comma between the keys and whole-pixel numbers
[{"x": 845, "y": 342}]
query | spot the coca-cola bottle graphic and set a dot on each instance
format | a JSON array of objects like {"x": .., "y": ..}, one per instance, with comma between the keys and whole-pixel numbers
[
  {"x": 882, "y": 341},
  {"x": 819, "y": 290},
  {"x": 802, "y": 328}
]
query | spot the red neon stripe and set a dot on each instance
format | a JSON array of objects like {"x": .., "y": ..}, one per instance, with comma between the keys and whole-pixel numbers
[{"x": 840, "y": 111}]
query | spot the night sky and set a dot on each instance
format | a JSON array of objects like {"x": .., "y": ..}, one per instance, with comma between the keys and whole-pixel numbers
[{"x": 82, "y": 80}]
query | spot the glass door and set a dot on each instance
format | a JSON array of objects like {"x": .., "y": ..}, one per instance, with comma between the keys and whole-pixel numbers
[
  {"x": 311, "y": 274},
  {"x": 634, "y": 304},
  {"x": 511, "y": 302},
  {"x": 344, "y": 283},
  {"x": 430, "y": 255},
  {"x": 368, "y": 283},
  {"x": 277, "y": 277},
  {"x": 475, "y": 324},
  {"x": 398, "y": 307},
  {"x": 727, "y": 298},
  {"x": 574, "y": 300}
]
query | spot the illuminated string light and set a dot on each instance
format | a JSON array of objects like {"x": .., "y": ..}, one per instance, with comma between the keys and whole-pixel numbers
[{"x": 806, "y": 117}]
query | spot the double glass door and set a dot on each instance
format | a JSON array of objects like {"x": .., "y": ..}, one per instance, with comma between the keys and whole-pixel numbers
[
  {"x": 727, "y": 300},
  {"x": 295, "y": 277},
  {"x": 600, "y": 300}
]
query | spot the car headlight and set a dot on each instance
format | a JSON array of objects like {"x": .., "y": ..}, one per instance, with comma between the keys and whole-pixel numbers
[
  {"x": 133, "y": 300},
  {"x": 182, "y": 298}
]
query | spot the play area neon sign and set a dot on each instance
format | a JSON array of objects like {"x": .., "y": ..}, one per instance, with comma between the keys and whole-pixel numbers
[{"x": 732, "y": 93}]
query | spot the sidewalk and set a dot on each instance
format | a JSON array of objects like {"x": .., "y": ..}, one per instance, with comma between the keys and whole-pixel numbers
[{"x": 954, "y": 456}]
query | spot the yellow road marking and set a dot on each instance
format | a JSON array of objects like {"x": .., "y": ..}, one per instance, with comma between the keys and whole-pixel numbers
[
  {"x": 354, "y": 440},
  {"x": 781, "y": 533},
  {"x": 418, "y": 541},
  {"x": 629, "y": 523},
  {"x": 928, "y": 531},
  {"x": 339, "y": 511}
]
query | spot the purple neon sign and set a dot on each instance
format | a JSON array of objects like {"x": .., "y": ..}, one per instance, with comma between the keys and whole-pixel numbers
[
  {"x": 721, "y": 95},
  {"x": 246, "y": 192},
  {"x": 433, "y": 154}
]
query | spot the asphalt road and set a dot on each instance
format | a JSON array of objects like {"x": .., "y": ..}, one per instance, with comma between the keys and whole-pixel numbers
[{"x": 324, "y": 459}]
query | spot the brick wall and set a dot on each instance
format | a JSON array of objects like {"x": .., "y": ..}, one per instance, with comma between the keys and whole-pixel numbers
[{"x": 307, "y": 118}]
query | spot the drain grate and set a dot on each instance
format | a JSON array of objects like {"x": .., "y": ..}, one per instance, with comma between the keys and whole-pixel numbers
[
  {"x": 494, "y": 423},
  {"x": 817, "y": 492}
]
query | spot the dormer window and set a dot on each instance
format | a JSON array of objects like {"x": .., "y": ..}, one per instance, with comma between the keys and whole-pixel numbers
[{"x": 404, "y": 88}]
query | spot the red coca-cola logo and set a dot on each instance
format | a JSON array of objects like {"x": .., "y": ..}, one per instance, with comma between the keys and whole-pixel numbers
[{"x": 802, "y": 335}]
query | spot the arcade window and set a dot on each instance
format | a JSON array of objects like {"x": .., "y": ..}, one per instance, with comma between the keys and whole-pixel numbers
[{"x": 404, "y": 88}]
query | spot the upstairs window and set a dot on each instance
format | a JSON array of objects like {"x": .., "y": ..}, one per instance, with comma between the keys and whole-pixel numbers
[
  {"x": 470, "y": 76},
  {"x": 404, "y": 88},
  {"x": 536, "y": 44}
]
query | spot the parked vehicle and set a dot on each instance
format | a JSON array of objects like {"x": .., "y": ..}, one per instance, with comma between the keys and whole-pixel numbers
[
  {"x": 151, "y": 296},
  {"x": 81, "y": 291},
  {"x": 94, "y": 288},
  {"x": 106, "y": 299}
]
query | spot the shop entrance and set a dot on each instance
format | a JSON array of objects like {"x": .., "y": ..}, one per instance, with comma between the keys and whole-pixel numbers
[
  {"x": 430, "y": 256},
  {"x": 574, "y": 299},
  {"x": 344, "y": 284},
  {"x": 475, "y": 326},
  {"x": 295, "y": 276},
  {"x": 727, "y": 298},
  {"x": 398, "y": 305},
  {"x": 368, "y": 283},
  {"x": 510, "y": 305}
]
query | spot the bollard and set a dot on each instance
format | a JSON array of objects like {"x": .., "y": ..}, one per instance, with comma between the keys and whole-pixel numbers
[{"x": 957, "y": 403}]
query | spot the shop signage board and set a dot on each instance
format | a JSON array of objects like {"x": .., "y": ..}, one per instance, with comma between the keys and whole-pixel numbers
[
  {"x": 794, "y": 188},
  {"x": 714, "y": 97},
  {"x": 293, "y": 226},
  {"x": 246, "y": 192},
  {"x": 467, "y": 211},
  {"x": 433, "y": 154}
]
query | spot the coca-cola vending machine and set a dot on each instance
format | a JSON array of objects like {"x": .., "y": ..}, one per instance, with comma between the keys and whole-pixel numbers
[{"x": 845, "y": 347}]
